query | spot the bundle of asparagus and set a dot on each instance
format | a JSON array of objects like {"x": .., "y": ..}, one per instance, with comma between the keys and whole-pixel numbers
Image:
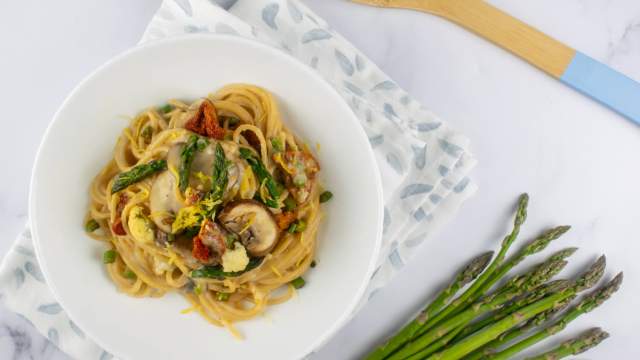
[{"x": 497, "y": 321}]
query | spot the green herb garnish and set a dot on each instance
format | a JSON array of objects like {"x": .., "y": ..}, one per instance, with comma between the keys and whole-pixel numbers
[{"x": 221, "y": 296}]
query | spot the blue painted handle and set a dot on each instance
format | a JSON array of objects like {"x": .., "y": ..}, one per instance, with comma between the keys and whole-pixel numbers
[{"x": 604, "y": 84}]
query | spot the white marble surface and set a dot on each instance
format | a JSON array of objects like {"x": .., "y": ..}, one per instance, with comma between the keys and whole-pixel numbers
[{"x": 530, "y": 133}]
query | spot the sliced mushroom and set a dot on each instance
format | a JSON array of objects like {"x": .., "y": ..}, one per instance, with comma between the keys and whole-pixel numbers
[
  {"x": 163, "y": 201},
  {"x": 253, "y": 223}
]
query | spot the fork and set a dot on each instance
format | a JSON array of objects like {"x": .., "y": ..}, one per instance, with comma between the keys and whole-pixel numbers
[{"x": 575, "y": 69}]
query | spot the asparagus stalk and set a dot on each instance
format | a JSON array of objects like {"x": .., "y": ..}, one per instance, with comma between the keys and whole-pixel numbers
[
  {"x": 535, "y": 278},
  {"x": 137, "y": 173},
  {"x": 588, "y": 279},
  {"x": 465, "y": 276},
  {"x": 506, "y": 337},
  {"x": 535, "y": 246},
  {"x": 472, "y": 294},
  {"x": 584, "y": 342},
  {"x": 437, "y": 345},
  {"x": 528, "y": 299},
  {"x": 589, "y": 303}
]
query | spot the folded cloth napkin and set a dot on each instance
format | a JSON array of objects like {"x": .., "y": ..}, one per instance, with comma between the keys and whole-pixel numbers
[{"x": 423, "y": 163}]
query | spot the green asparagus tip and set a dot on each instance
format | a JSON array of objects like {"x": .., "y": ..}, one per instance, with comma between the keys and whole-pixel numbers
[
  {"x": 564, "y": 253},
  {"x": 541, "y": 242},
  {"x": 602, "y": 294},
  {"x": 591, "y": 277},
  {"x": 590, "y": 339},
  {"x": 521, "y": 214},
  {"x": 475, "y": 268}
]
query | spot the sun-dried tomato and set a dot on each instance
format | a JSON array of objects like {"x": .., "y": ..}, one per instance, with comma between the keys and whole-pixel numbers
[
  {"x": 285, "y": 219},
  {"x": 200, "y": 251},
  {"x": 205, "y": 122},
  {"x": 117, "y": 226}
]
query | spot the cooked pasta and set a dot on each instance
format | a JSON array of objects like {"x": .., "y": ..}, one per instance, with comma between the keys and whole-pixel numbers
[{"x": 216, "y": 199}]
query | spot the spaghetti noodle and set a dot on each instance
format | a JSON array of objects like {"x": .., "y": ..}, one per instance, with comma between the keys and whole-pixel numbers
[{"x": 216, "y": 199}]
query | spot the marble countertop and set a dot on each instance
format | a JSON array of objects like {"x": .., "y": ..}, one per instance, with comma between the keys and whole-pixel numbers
[{"x": 577, "y": 159}]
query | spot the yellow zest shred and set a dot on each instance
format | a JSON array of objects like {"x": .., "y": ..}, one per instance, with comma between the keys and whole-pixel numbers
[
  {"x": 275, "y": 271},
  {"x": 247, "y": 184},
  {"x": 252, "y": 217},
  {"x": 278, "y": 159}
]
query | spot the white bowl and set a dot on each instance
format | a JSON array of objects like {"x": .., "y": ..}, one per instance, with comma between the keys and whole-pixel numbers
[{"x": 79, "y": 142}]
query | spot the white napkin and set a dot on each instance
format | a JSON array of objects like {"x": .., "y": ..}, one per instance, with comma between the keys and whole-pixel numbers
[{"x": 423, "y": 163}]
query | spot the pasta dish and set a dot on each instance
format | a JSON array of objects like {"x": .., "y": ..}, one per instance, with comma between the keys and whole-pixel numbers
[{"x": 215, "y": 199}]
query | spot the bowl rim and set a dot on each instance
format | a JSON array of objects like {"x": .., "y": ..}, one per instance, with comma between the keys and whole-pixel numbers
[{"x": 349, "y": 309}]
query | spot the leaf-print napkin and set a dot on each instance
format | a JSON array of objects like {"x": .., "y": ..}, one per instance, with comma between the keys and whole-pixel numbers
[{"x": 423, "y": 162}]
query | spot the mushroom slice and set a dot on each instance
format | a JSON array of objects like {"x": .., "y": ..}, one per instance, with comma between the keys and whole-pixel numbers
[
  {"x": 253, "y": 223},
  {"x": 163, "y": 202}
]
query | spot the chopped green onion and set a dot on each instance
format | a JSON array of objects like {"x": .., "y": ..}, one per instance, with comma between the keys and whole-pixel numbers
[
  {"x": 91, "y": 226},
  {"x": 300, "y": 180},
  {"x": 129, "y": 274},
  {"x": 277, "y": 144},
  {"x": 223, "y": 296},
  {"x": 146, "y": 133},
  {"x": 302, "y": 226},
  {"x": 230, "y": 239},
  {"x": 290, "y": 204},
  {"x": 326, "y": 196},
  {"x": 197, "y": 290},
  {"x": 297, "y": 227},
  {"x": 109, "y": 256},
  {"x": 166, "y": 108},
  {"x": 232, "y": 120},
  {"x": 313, "y": 264},
  {"x": 298, "y": 282}
]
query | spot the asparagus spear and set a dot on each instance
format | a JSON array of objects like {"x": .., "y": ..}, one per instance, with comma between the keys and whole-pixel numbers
[
  {"x": 263, "y": 175},
  {"x": 187, "y": 155},
  {"x": 589, "y": 303},
  {"x": 139, "y": 172},
  {"x": 465, "y": 276},
  {"x": 437, "y": 345},
  {"x": 535, "y": 246},
  {"x": 528, "y": 299},
  {"x": 588, "y": 279},
  {"x": 584, "y": 342},
  {"x": 472, "y": 293},
  {"x": 506, "y": 337},
  {"x": 535, "y": 278}
]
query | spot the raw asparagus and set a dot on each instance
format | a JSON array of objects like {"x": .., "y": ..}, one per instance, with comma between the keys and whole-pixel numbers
[
  {"x": 584, "y": 342},
  {"x": 589, "y": 303},
  {"x": 472, "y": 293},
  {"x": 536, "y": 277},
  {"x": 465, "y": 276},
  {"x": 588, "y": 279}
]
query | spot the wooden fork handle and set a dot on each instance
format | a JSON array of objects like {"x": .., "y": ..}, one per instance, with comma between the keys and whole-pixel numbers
[{"x": 579, "y": 71}]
